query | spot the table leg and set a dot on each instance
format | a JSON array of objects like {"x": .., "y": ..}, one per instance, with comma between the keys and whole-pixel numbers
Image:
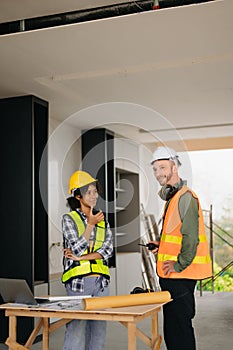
[
  {"x": 132, "y": 342},
  {"x": 156, "y": 339},
  {"x": 154, "y": 327},
  {"x": 157, "y": 343},
  {"x": 11, "y": 340},
  {"x": 13, "y": 345},
  {"x": 45, "y": 333},
  {"x": 12, "y": 330},
  {"x": 34, "y": 333}
]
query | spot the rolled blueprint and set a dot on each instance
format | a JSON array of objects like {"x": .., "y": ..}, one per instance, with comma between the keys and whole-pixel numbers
[{"x": 125, "y": 300}]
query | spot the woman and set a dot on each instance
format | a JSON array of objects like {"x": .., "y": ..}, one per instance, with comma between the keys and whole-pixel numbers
[{"x": 87, "y": 246}]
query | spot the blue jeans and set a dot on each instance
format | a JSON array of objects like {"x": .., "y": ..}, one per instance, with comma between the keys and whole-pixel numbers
[{"x": 87, "y": 335}]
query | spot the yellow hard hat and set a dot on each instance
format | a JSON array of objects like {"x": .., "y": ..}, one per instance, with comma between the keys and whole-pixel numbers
[{"x": 79, "y": 179}]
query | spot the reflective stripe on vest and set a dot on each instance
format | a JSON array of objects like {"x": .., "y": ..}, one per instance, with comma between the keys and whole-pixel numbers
[
  {"x": 171, "y": 241},
  {"x": 87, "y": 267},
  {"x": 178, "y": 240}
]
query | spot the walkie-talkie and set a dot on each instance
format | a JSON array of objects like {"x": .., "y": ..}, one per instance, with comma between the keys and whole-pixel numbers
[{"x": 150, "y": 246}]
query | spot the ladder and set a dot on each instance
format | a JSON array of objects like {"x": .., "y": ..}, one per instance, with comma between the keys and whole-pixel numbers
[{"x": 149, "y": 276}]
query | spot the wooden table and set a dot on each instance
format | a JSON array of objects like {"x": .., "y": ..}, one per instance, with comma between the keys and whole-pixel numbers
[{"x": 127, "y": 316}]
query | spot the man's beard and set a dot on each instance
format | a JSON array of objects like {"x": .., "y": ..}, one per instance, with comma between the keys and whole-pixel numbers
[{"x": 163, "y": 180}]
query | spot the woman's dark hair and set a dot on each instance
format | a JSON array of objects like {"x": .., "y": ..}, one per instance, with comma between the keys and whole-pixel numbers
[{"x": 73, "y": 202}]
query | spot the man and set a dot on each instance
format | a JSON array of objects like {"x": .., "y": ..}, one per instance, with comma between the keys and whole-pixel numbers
[{"x": 183, "y": 253}]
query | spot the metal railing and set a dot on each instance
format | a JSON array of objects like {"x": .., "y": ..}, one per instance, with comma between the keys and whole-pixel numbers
[{"x": 211, "y": 227}]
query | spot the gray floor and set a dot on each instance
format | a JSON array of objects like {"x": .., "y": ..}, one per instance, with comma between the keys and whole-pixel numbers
[{"x": 213, "y": 327}]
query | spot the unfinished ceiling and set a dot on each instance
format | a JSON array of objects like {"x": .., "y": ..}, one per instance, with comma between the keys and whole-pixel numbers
[
  {"x": 156, "y": 76},
  {"x": 12, "y": 10}
]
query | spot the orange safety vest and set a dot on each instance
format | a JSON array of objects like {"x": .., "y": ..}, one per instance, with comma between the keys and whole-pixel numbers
[{"x": 171, "y": 242}]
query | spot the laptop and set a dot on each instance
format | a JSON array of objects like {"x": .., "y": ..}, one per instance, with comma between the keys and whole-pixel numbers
[{"x": 17, "y": 291}]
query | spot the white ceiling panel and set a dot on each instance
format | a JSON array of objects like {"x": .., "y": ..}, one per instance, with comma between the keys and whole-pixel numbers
[{"x": 177, "y": 62}]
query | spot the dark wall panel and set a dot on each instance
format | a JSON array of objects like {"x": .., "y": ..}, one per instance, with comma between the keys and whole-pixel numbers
[
  {"x": 98, "y": 160},
  {"x": 24, "y": 221}
]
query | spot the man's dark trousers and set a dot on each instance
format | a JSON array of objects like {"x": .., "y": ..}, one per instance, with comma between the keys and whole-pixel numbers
[{"x": 178, "y": 314}]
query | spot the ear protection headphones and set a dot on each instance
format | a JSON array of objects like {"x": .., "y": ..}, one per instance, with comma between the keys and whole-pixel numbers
[{"x": 167, "y": 192}]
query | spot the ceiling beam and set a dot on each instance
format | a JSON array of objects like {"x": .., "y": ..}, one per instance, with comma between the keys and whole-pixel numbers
[{"x": 200, "y": 144}]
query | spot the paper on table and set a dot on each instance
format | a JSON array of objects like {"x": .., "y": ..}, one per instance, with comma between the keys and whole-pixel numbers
[{"x": 64, "y": 297}]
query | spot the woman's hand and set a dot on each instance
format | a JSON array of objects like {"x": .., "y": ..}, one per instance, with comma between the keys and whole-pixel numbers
[
  {"x": 69, "y": 255},
  {"x": 91, "y": 256},
  {"x": 94, "y": 219}
]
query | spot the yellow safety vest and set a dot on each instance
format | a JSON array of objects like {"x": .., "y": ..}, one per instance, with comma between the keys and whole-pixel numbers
[
  {"x": 171, "y": 241},
  {"x": 87, "y": 267}
]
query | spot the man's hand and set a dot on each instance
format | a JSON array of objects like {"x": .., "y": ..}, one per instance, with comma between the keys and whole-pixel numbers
[
  {"x": 168, "y": 267},
  {"x": 155, "y": 251}
]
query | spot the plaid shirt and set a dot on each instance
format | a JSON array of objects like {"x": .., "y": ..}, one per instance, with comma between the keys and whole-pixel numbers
[{"x": 78, "y": 245}]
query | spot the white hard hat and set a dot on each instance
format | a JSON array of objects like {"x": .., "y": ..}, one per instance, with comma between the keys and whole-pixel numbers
[{"x": 165, "y": 153}]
